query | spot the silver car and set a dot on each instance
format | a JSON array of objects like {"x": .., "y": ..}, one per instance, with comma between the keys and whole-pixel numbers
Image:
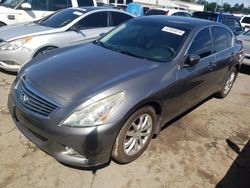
[
  {"x": 20, "y": 43},
  {"x": 245, "y": 39}
]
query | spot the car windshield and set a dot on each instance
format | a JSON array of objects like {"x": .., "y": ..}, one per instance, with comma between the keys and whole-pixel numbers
[
  {"x": 246, "y": 20},
  {"x": 205, "y": 15},
  {"x": 61, "y": 18},
  {"x": 146, "y": 40},
  {"x": 11, "y": 3}
]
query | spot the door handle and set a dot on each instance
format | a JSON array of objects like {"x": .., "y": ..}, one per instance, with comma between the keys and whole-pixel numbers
[{"x": 211, "y": 66}]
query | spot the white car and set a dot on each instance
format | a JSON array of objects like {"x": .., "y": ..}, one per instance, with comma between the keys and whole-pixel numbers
[
  {"x": 17, "y": 11},
  {"x": 245, "y": 22}
]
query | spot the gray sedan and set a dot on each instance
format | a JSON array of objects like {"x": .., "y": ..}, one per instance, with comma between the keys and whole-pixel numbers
[
  {"x": 83, "y": 108},
  {"x": 245, "y": 39},
  {"x": 20, "y": 43}
]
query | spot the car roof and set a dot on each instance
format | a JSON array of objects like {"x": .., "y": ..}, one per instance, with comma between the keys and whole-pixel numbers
[
  {"x": 186, "y": 22},
  {"x": 92, "y": 8}
]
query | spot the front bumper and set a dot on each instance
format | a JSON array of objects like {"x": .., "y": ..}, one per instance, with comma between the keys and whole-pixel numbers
[
  {"x": 13, "y": 60},
  {"x": 93, "y": 144},
  {"x": 246, "y": 59}
]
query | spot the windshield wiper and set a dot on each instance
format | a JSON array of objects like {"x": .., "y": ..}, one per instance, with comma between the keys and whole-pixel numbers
[{"x": 126, "y": 52}]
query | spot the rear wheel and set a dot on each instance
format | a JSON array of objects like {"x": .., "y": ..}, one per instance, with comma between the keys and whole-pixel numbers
[
  {"x": 228, "y": 84},
  {"x": 134, "y": 136}
]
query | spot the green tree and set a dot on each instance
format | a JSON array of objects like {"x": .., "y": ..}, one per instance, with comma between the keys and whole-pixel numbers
[{"x": 227, "y": 7}]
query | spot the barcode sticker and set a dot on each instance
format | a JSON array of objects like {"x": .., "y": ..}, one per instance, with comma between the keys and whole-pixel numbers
[{"x": 173, "y": 30}]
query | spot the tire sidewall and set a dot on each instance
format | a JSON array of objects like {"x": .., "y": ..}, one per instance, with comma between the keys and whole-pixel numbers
[
  {"x": 222, "y": 93},
  {"x": 118, "y": 153}
]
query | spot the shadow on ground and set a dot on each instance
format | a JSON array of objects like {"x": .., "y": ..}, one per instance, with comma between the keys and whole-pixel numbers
[
  {"x": 238, "y": 176},
  {"x": 8, "y": 72},
  {"x": 245, "y": 69}
]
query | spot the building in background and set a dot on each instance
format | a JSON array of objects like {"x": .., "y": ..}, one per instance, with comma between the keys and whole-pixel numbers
[{"x": 191, "y": 7}]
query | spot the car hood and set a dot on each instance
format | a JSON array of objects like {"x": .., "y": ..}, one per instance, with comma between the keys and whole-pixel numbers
[
  {"x": 16, "y": 31},
  {"x": 79, "y": 72}
]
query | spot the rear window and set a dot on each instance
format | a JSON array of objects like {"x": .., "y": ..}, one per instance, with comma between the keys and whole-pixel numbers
[
  {"x": 246, "y": 20},
  {"x": 82, "y": 3},
  {"x": 155, "y": 12},
  {"x": 205, "y": 15}
]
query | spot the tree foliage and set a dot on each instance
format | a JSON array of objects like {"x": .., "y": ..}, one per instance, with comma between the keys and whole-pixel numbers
[{"x": 226, "y": 7}]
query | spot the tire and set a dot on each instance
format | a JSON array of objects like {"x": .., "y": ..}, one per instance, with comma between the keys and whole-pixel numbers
[
  {"x": 227, "y": 85},
  {"x": 44, "y": 51},
  {"x": 134, "y": 137}
]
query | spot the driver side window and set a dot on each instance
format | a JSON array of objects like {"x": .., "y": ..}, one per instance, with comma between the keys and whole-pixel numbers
[
  {"x": 202, "y": 44},
  {"x": 95, "y": 20}
]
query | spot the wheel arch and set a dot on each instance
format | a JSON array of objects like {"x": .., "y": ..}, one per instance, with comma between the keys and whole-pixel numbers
[{"x": 43, "y": 48}]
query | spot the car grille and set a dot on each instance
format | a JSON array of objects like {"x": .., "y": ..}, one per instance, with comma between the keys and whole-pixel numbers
[{"x": 32, "y": 101}]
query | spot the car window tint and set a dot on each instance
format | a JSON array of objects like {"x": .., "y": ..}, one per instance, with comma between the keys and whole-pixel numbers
[
  {"x": 39, "y": 4},
  {"x": 202, "y": 44},
  {"x": 118, "y": 18},
  {"x": 145, "y": 9},
  {"x": 237, "y": 23},
  {"x": 95, "y": 20},
  {"x": 184, "y": 14},
  {"x": 222, "y": 38},
  {"x": 205, "y": 15},
  {"x": 175, "y": 14},
  {"x": 155, "y": 12},
  {"x": 61, "y": 18},
  {"x": 247, "y": 33},
  {"x": 85, "y": 3},
  {"x": 59, "y": 4},
  {"x": 246, "y": 20},
  {"x": 224, "y": 20}
]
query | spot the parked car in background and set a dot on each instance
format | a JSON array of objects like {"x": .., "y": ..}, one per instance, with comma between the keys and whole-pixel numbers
[
  {"x": 2, "y": 1},
  {"x": 137, "y": 9},
  {"x": 17, "y": 11},
  {"x": 167, "y": 12},
  {"x": 85, "y": 104},
  {"x": 228, "y": 19},
  {"x": 245, "y": 39},
  {"x": 245, "y": 22},
  {"x": 20, "y": 43}
]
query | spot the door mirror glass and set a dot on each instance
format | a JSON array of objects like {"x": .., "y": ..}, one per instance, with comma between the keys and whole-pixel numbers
[
  {"x": 193, "y": 59},
  {"x": 26, "y": 6}
]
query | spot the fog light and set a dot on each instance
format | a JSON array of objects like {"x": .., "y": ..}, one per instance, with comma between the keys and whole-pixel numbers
[{"x": 70, "y": 150}]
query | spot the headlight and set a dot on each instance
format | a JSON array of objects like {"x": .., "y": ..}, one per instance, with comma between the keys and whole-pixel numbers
[
  {"x": 94, "y": 112},
  {"x": 15, "y": 44}
]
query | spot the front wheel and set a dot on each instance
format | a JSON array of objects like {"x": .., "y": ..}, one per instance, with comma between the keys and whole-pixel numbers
[
  {"x": 135, "y": 135},
  {"x": 228, "y": 84}
]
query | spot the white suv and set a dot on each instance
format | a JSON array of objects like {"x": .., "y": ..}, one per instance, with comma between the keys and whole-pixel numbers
[
  {"x": 17, "y": 11},
  {"x": 245, "y": 22}
]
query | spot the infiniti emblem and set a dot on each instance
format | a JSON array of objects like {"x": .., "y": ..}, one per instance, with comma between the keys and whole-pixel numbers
[{"x": 24, "y": 98}]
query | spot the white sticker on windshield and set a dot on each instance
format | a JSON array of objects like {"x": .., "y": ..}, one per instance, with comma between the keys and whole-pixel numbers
[
  {"x": 77, "y": 13},
  {"x": 173, "y": 30}
]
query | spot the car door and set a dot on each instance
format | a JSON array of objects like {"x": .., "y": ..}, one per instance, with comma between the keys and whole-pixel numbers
[
  {"x": 196, "y": 82},
  {"x": 39, "y": 9},
  {"x": 90, "y": 27},
  {"x": 223, "y": 51},
  {"x": 245, "y": 38}
]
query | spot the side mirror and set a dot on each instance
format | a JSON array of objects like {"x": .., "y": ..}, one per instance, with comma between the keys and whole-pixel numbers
[
  {"x": 74, "y": 28},
  {"x": 193, "y": 59},
  {"x": 26, "y": 6},
  {"x": 101, "y": 35}
]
